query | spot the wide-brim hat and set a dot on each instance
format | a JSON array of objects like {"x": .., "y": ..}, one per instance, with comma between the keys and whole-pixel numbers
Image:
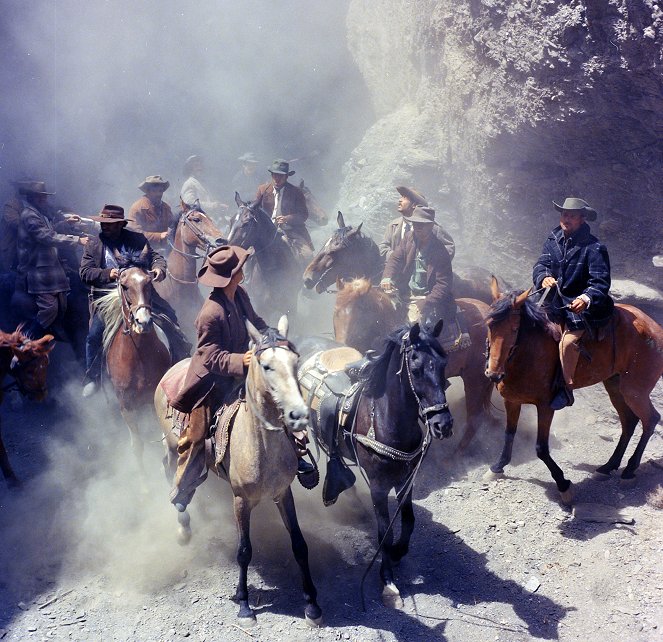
[
  {"x": 414, "y": 196},
  {"x": 422, "y": 214},
  {"x": 154, "y": 181},
  {"x": 189, "y": 162},
  {"x": 222, "y": 264},
  {"x": 111, "y": 214},
  {"x": 577, "y": 204},
  {"x": 33, "y": 187},
  {"x": 248, "y": 158},
  {"x": 280, "y": 166}
]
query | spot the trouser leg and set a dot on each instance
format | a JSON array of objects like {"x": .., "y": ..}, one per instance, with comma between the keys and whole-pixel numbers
[
  {"x": 93, "y": 348},
  {"x": 569, "y": 353},
  {"x": 50, "y": 308}
]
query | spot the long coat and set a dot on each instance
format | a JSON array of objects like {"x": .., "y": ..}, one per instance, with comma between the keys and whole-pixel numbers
[
  {"x": 151, "y": 220},
  {"x": 393, "y": 236},
  {"x": 293, "y": 207},
  {"x": 581, "y": 265},
  {"x": 222, "y": 342},
  {"x": 439, "y": 302}
]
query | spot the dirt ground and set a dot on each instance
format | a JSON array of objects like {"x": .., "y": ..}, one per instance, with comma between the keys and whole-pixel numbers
[{"x": 89, "y": 549}]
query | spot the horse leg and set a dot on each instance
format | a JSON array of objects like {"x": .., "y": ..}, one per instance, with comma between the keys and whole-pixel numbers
[
  {"x": 391, "y": 596},
  {"x": 628, "y": 420},
  {"x": 400, "y": 549},
  {"x": 512, "y": 416},
  {"x": 478, "y": 390},
  {"x": 7, "y": 471},
  {"x": 243, "y": 508},
  {"x": 545, "y": 416},
  {"x": 286, "y": 506},
  {"x": 131, "y": 419}
]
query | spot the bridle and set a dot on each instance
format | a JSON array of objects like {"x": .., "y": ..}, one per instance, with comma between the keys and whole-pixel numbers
[
  {"x": 129, "y": 311},
  {"x": 198, "y": 233}
]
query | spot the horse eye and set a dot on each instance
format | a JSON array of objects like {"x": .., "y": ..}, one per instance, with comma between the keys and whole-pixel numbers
[
  {"x": 196, "y": 219},
  {"x": 266, "y": 367}
]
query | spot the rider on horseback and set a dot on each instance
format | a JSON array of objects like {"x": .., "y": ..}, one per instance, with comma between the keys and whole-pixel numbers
[
  {"x": 219, "y": 363},
  {"x": 577, "y": 266},
  {"x": 287, "y": 205},
  {"x": 100, "y": 271},
  {"x": 151, "y": 215}
]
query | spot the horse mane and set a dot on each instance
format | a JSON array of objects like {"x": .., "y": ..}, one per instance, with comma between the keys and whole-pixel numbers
[
  {"x": 20, "y": 337},
  {"x": 501, "y": 308},
  {"x": 377, "y": 379},
  {"x": 109, "y": 309},
  {"x": 132, "y": 258},
  {"x": 353, "y": 290}
]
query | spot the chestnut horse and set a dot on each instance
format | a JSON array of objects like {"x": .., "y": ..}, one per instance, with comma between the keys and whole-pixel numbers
[
  {"x": 136, "y": 357},
  {"x": 260, "y": 460},
  {"x": 523, "y": 358},
  {"x": 195, "y": 236},
  {"x": 26, "y": 361},
  {"x": 363, "y": 314}
]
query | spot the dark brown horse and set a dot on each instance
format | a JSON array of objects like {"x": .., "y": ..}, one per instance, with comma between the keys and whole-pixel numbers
[
  {"x": 273, "y": 273},
  {"x": 195, "y": 236},
  {"x": 523, "y": 359},
  {"x": 136, "y": 356},
  {"x": 363, "y": 314},
  {"x": 26, "y": 361}
]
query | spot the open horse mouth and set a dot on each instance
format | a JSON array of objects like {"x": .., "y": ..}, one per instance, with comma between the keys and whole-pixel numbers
[{"x": 495, "y": 377}]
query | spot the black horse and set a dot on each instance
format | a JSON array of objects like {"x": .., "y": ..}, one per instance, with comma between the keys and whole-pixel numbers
[
  {"x": 274, "y": 277},
  {"x": 401, "y": 406}
]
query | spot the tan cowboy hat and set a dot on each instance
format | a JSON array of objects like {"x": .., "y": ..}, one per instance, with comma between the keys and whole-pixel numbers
[
  {"x": 573, "y": 203},
  {"x": 154, "y": 181},
  {"x": 111, "y": 214},
  {"x": 33, "y": 187},
  {"x": 222, "y": 264},
  {"x": 189, "y": 162},
  {"x": 414, "y": 196},
  {"x": 422, "y": 214},
  {"x": 280, "y": 166}
]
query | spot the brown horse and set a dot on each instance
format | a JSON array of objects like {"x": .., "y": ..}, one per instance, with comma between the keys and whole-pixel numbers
[
  {"x": 136, "y": 357},
  {"x": 195, "y": 236},
  {"x": 523, "y": 359},
  {"x": 363, "y": 315},
  {"x": 259, "y": 461},
  {"x": 26, "y": 361}
]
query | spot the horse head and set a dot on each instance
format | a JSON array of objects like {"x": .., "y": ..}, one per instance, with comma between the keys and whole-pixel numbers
[
  {"x": 135, "y": 289},
  {"x": 336, "y": 259},
  {"x": 272, "y": 379},
  {"x": 425, "y": 362},
  {"x": 503, "y": 322},
  {"x": 251, "y": 226},
  {"x": 29, "y": 363},
  {"x": 197, "y": 230}
]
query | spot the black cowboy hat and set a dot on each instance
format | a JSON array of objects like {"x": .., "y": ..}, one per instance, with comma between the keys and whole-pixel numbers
[
  {"x": 577, "y": 204},
  {"x": 33, "y": 187},
  {"x": 222, "y": 264},
  {"x": 111, "y": 214}
]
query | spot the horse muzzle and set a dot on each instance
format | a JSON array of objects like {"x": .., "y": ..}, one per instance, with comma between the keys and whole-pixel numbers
[
  {"x": 297, "y": 420},
  {"x": 495, "y": 377},
  {"x": 441, "y": 425}
]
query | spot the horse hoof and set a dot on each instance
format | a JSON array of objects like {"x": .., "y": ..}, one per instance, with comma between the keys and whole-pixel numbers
[
  {"x": 489, "y": 475},
  {"x": 183, "y": 535},
  {"x": 247, "y": 621},
  {"x": 313, "y": 616},
  {"x": 599, "y": 475},
  {"x": 628, "y": 482},
  {"x": 567, "y": 496},
  {"x": 391, "y": 597}
]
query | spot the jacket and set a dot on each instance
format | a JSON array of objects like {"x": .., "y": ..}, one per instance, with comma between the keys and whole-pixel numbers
[
  {"x": 293, "y": 207},
  {"x": 222, "y": 342},
  {"x": 439, "y": 301},
  {"x": 581, "y": 265},
  {"x": 393, "y": 236},
  {"x": 151, "y": 220}
]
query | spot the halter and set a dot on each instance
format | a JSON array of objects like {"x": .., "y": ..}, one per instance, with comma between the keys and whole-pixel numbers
[{"x": 129, "y": 319}]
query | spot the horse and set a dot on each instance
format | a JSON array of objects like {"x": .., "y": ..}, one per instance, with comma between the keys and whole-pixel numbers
[
  {"x": 523, "y": 359},
  {"x": 193, "y": 237},
  {"x": 260, "y": 460},
  {"x": 275, "y": 274},
  {"x": 402, "y": 404},
  {"x": 136, "y": 356},
  {"x": 26, "y": 360},
  {"x": 315, "y": 211},
  {"x": 349, "y": 254}
]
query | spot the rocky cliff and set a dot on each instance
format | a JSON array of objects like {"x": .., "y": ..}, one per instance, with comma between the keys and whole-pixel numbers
[{"x": 493, "y": 108}]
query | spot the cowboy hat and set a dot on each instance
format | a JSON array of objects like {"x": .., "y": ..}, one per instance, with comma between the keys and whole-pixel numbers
[
  {"x": 577, "y": 204},
  {"x": 280, "y": 166},
  {"x": 414, "y": 197},
  {"x": 248, "y": 158},
  {"x": 33, "y": 187},
  {"x": 422, "y": 214},
  {"x": 154, "y": 181},
  {"x": 222, "y": 264},
  {"x": 189, "y": 162},
  {"x": 111, "y": 214}
]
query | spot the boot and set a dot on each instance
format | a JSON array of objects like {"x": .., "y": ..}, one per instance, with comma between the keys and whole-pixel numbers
[
  {"x": 307, "y": 474},
  {"x": 562, "y": 399},
  {"x": 339, "y": 478}
]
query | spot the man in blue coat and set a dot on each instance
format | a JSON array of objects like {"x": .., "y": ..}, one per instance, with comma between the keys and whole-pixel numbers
[{"x": 577, "y": 268}]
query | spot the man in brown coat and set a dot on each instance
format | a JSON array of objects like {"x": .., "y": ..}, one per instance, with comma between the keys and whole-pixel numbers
[
  {"x": 420, "y": 270},
  {"x": 287, "y": 206},
  {"x": 399, "y": 227},
  {"x": 151, "y": 216}
]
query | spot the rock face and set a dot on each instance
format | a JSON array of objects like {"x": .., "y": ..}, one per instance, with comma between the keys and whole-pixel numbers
[{"x": 493, "y": 108}]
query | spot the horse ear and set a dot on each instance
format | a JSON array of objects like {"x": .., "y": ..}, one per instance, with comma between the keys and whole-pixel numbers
[
  {"x": 414, "y": 332},
  {"x": 47, "y": 342},
  {"x": 494, "y": 288},
  {"x": 238, "y": 200},
  {"x": 282, "y": 326},
  {"x": 358, "y": 230},
  {"x": 339, "y": 283},
  {"x": 256, "y": 337},
  {"x": 438, "y": 328},
  {"x": 521, "y": 298},
  {"x": 340, "y": 220},
  {"x": 144, "y": 252}
]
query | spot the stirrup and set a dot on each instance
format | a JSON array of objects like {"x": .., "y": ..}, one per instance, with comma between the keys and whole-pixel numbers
[{"x": 308, "y": 473}]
